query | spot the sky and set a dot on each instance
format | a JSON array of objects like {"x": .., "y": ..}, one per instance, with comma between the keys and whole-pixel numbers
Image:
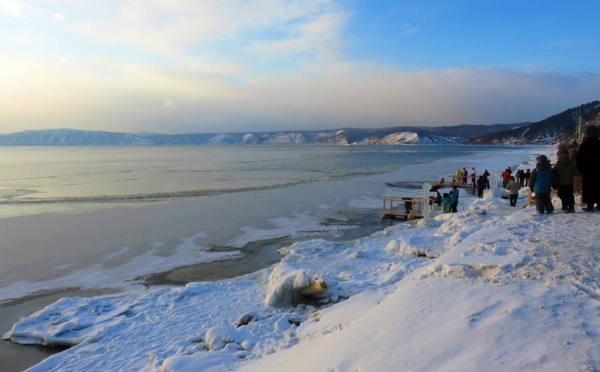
[{"x": 182, "y": 66}]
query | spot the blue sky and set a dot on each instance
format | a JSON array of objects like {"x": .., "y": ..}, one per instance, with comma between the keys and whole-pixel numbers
[{"x": 177, "y": 66}]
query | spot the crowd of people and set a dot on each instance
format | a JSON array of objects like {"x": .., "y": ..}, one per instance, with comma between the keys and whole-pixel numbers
[{"x": 576, "y": 160}]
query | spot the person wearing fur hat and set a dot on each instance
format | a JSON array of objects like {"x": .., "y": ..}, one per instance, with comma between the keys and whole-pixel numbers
[
  {"x": 563, "y": 173},
  {"x": 541, "y": 184},
  {"x": 588, "y": 163}
]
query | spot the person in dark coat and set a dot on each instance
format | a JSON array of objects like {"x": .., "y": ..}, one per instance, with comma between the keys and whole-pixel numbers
[
  {"x": 541, "y": 184},
  {"x": 437, "y": 199},
  {"x": 481, "y": 185},
  {"x": 563, "y": 175},
  {"x": 527, "y": 176},
  {"x": 588, "y": 163},
  {"x": 522, "y": 176}
]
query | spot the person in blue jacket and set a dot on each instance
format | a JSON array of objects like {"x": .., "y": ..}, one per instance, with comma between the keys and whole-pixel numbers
[
  {"x": 453, "y": 194},
  {"x": 540, "y": 182}
]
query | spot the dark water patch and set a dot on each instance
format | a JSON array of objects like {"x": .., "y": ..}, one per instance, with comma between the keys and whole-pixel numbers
[
  {"x": 256, "y": 256},
  {"x": 261, "y": 254}
]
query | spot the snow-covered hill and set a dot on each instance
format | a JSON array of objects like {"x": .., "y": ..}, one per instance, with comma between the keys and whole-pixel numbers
[
  {"x": 556, "y": 128},
  {"x": 342, "y": 137}
]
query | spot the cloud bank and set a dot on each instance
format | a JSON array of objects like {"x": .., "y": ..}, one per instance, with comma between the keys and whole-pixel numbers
[{"x": 215, "y": 66}]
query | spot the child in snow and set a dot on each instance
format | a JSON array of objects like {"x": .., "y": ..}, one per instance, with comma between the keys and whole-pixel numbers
[
  {"x": 447, "y": 201},
  {"x": 562, "y": 176},
  {"x": 541, "y": 184}
]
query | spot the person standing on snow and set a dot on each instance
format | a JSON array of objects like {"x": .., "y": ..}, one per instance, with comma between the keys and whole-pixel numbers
[
  {"x": 563, "y": 173},
  {"x": 522, "y": 177},
  {"x": 486, "y": 176},
  {"x": 481, "y": 185},
  {"x": 541, "y": 184},
  {"x": 513, "y": 188},
  {"x": 453, "y": 194},
  {"x": 588, "y": 163},
  {"x": 458, "y": 177},
  {"x": 505, "y": 176}
]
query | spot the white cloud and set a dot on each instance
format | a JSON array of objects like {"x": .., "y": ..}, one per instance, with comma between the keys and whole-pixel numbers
[
  {"x": 58, "y": 16},
  {"x": 11, "y": 7},
  {"x": 319, "y": 37},
  {"x": 171, "y": 28}
]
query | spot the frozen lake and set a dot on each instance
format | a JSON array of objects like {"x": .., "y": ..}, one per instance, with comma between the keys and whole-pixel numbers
[{"x": 104, "y": 217}]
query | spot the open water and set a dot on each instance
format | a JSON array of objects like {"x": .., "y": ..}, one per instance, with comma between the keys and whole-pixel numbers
[{"x": 54, "y": 179}]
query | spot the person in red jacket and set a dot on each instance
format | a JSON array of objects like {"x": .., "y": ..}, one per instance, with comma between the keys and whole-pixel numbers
[{"x": 505, "y": 176}]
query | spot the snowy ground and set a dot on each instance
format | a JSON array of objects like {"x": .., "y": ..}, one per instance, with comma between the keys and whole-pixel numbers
[{"x": 489, "y": 288}]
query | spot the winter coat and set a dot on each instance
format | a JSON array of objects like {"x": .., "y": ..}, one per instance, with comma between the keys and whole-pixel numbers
[
  {"x": 458, "y": 175},
  {"x": 513, "y": 188},
  {"x": 588, "y": 156},
  {"x": 588, "y": 163},
  {"x": 453, "y": 194},
  {"x": 541, "y": 179},
  {"x": 564, "y": 171},
  {"x": 481, "y": 184}
]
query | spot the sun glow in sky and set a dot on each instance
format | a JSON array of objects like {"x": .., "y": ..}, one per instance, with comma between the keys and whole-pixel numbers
[{"x": 176, "y": 66}]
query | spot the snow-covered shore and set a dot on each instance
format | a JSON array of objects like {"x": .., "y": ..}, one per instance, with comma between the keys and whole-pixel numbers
[{"x": 489, "y": 288}]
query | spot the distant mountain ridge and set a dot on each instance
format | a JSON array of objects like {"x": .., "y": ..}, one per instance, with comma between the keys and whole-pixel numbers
[
  {"x": 447, "y": 135},
  {"x": 559, "y": 127}
]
